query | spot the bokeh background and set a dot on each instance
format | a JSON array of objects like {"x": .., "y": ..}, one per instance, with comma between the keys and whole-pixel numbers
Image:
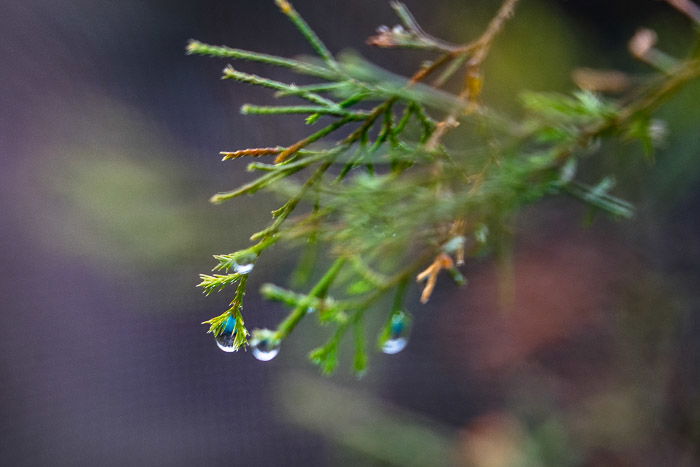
[{"x": 109, "y": 140}]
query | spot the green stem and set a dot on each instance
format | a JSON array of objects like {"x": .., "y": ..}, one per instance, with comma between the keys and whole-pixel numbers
[
  {"x": 253, "y": 186},
  {"x": 231, "y": 73},
  {"x": 301, "y": 109},
  {"x": 320, "y": 289},
  {"x": 400, "y": 295},
  {"x": 199, "y": 48},
  {"x": 290, "y": 205},
  {"x": 284, "y": 155},
  {"x": 307, "y": 32}
]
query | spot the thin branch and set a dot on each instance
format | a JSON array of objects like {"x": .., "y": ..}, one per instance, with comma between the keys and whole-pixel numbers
[
  {"x": 199, "y": 48},
  {"x": 253, "y": 152},
  {"x": 482, "y": 45},
  {"x": 687, "y": 7}
]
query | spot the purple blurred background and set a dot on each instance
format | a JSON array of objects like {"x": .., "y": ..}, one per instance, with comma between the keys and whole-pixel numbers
[{"x": 109, "y": 136}]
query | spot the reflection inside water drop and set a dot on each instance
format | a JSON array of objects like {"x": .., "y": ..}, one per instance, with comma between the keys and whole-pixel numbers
[{"x": 393, "y": 346}]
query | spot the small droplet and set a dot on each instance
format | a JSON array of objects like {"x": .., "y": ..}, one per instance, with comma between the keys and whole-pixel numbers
[
  {"x": 265, "y": 350},
  {"x": 310, "y": 310},
  {"x": 225, "y": 340},
  {"x": 393, "y": 346},
  {"x": 398, "y": 330},
  {"x": 481, "y": 233},
  {"x": 263, "y": 345},
  {"x": 243, "y": 268}
]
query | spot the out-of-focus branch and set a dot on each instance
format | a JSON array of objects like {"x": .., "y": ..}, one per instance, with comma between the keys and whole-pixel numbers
[{"x": 687, "y": 7}]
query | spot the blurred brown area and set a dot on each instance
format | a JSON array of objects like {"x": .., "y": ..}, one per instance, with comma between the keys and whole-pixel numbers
[{"x": 588, "y": 354}]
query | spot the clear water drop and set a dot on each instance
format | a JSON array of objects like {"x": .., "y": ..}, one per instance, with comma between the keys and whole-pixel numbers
[
  {"x": 398, "y": 331},
  {"x": 225, "y": 340},
  {"x": 310, "y": 310},
  {"x": 264, "y": 346},
  {"x": 243, "y": 268},
  {"x": 264, "y": 351}
]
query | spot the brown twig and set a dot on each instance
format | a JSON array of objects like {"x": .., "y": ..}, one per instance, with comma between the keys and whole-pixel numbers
[
  {"x": 473, "y": 82},
  {"x": 482, "y": 45},
  {"x": 253, "y": 152},
  {"x": 442, "y": 261}
]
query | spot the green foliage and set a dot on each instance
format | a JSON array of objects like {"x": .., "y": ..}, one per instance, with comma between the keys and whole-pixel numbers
[{"x": 392, "y": 196}]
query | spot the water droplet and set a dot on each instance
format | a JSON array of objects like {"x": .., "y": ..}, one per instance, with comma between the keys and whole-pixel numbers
[
  {"x": 393, "y": 346},
  {"x": 398, "y": 330},
  {"x": 481, "y": 233},
  {"x": 225, "y": 340},
  {"x": 243, "y": 268},
  {"x": 265, "y": 351},
  {"x": 311, "y": 310},
  {"x": 263, "y": 345}
]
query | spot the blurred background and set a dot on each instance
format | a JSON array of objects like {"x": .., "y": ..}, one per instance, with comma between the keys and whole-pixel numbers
[{"x": 109, "y": 141}]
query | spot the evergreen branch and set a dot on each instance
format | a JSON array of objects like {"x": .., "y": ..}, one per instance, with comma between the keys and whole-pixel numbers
[
  {"x": 382, "y": 83},
  {"x": 597, "y": 196},
  {"x": 282, "y": 213},
  {"x": 326, "y": 356},
  {"x": 413, "y": 36},
  {"x": 307, "y": 32},
  {"x": 319, "y": 290},
  {"x": 231, "y": 73},
  {"x": 306, "y": 159},
  {"x": 218, "y": 323},
  {"x": 349, "y": 102},
  {"x": 253, "y": 186},
  {"x": 248, "y": 109},
  {"x": 295, "y": 90},
  {"x": 361, "y": 358},
  {"x": 244, "y": 257},
  {"x": 430, "y": 67},
  {"x": 373, "y": 277},
  {"x": 293, "y": 149},
  {"x": 198, "y": 48},
  {"x": 217, "y": 282},
  {"x": 292, "y": 299},
  {"x": 252, "y": 152},
  {"x": 435, "y": 200}
]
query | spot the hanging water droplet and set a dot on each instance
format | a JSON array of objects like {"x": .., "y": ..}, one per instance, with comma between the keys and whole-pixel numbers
[
  {"x": 265, "y": 351},
  {"x": 311, "y": 310},
  {"x": 397, "y": 335},
  {"x": 228, "y": 334},
  {"x": 393, "y": 346},
  {"x": 264, "y": 346},
  {"x": 243, "y": 268}
]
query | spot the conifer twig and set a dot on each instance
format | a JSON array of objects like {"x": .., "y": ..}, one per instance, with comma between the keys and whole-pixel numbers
[{"x": 417, "y": 201}]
